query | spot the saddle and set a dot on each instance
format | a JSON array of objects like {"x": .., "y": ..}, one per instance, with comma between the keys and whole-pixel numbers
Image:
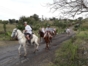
[
  {"x": 48, "y": 33},
  {"x": 30, "y": 36}
]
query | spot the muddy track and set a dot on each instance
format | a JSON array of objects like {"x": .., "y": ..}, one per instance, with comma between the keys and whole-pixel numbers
[{"x": 9, "y": 55}]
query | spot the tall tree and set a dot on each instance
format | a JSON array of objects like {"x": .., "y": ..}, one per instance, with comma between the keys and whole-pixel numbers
[
  {"x": 4, "y": 26},
  {"x": 36, "y": 17},
  {"x": 22, "y": 19},
  {"x": 70, "y": 7}
]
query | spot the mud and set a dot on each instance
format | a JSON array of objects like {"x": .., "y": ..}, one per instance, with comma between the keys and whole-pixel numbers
[{"x": 9, "y": 53}]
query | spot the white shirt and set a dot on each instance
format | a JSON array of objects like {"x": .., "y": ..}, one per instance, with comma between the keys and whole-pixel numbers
[
  {"x": 43, "y": 30},
  {"x": 67, "y": 30},
  {"x": 47, "y": 29},
  {"x": 28, "y": 29},
  {"x": 51, "y": 29}
]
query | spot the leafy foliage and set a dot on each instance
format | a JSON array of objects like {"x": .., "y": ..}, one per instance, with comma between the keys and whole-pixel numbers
[{"x": 73, "y": 52}]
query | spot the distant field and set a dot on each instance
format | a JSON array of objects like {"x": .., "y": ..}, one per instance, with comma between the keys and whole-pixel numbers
[{"x": 8, "y": 26}]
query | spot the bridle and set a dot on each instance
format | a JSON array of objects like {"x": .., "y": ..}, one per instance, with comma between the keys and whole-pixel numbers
[
  {"x": 16, "y": 36},
  {"x": 15, "y": 33}
]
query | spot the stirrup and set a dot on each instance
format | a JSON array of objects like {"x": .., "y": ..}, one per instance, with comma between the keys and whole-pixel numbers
[{"x": 29, "y": 41}]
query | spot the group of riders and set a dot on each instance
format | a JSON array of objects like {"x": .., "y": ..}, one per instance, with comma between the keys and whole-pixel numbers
[
  {"x": 52, "y": 31},
  {"x": 28, "y": 31},
  {"x": 46, "y": 33},
  {"x": 48, "y": 29}
]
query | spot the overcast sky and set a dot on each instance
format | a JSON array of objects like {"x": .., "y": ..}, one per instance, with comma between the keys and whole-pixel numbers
[{"x": 14, "y": 9}]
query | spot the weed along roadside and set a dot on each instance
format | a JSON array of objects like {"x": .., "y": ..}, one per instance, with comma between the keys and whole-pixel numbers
[{"x": 73, "y": 52}]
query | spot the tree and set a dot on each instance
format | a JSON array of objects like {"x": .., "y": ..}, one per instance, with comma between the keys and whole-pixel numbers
[
  {"x": 52, "y": 19},
  {"x": 4, "y": 26},
  {"x": 0, "y": 21},
  {"x": 22, "y": 19},
  {"x": 70, "y": 7},
  {"x": 11, "y": 21},
  {"x": 36, "y": 17}
]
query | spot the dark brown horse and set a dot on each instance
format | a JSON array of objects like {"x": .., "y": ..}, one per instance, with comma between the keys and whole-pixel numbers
[
  {"x": 41, "y": 34},
  {"x": 47, "y": 38}
]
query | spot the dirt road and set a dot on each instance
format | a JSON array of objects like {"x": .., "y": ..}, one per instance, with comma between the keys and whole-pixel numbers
[{"x": 9, "y": 54}]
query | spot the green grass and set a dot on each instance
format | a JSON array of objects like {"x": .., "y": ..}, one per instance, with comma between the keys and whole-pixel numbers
[
  {"x": 6, "y": 36},
  {"x": 83, "y": 35},
  {"x": 71, "y": 52},
  {"x": 9, "y": 28}
]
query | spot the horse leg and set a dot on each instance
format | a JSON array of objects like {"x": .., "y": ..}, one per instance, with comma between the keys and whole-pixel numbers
[
  {"x": 19, "y": 49},
  {"x": 40, "y": 39},
  {"x": 24, "y": 46},
  {"x": 68, "y": 33},
  {"x": 50, "y": 40},
  {"x": 37, "y": 46},
  {"x": 47, "y": 46}
]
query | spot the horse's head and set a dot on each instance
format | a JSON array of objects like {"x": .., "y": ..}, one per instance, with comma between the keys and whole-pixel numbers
[{"x": 14, "y": 33}]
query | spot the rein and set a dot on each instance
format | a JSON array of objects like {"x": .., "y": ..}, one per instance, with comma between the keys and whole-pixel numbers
[
  {"x": 47, "y": 34},
  {"x": 14, "y": 34},
  {"x": 17, "y": 35}
]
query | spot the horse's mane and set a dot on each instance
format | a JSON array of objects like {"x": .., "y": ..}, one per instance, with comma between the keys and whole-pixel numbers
[{"x": 19, "y": 31}]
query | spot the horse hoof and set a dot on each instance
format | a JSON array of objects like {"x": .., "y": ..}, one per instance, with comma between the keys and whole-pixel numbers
[
  {"x": 20, "y": 55},
  {"x": 48, "y": 49},
  {"x": 28, "y": 44},
  {"x": 25, "y": 56},
  {"x": 34, "y": 52},
  {"x": 37, "y": 50}
]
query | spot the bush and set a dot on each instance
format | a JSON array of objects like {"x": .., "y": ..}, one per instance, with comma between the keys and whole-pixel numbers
[
  {"x": 72, "y": 52},
  {"x": 67, "y": 54},
  {"x": 20, "y": 27}
]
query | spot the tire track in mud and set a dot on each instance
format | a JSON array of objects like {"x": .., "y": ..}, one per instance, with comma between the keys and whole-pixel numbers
[{"x": 11, "y": 58}]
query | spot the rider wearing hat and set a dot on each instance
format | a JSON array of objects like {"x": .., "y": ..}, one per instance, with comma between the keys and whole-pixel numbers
[{"x": 48, "y": 29}]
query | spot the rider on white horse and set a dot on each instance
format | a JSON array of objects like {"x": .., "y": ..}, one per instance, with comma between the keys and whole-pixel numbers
[
  {"x": 22, "y": 40},
  {"x": 28, "y": 31}
]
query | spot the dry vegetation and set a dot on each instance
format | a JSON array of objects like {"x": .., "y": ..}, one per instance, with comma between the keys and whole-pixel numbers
[
  {"x": 74, "y": 52},
  {"x": 8, "y": 26}
]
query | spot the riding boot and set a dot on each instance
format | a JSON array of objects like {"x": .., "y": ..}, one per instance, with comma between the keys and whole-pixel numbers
[{"x": 29, "y": 41}]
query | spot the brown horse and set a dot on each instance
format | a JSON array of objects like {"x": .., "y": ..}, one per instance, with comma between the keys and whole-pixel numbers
[{"x": 47, "y": 38}]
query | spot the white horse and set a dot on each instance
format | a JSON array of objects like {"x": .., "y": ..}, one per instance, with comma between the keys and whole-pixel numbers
[
  {"x": 22, "y": 40},
  {"x": 68, "y": 31}
]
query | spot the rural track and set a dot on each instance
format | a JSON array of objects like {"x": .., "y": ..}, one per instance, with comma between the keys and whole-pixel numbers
[{"x": 9, "y": 55}]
